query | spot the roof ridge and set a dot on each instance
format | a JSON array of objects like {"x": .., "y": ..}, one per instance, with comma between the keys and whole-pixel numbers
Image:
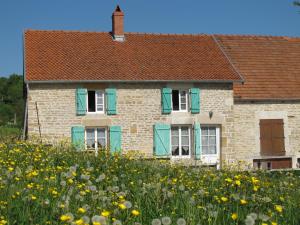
[{"x": 254, "y": 36}]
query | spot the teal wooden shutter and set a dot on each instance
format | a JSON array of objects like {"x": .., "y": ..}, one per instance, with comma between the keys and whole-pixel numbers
[
  {"x": 81, "y": 101},
  {"x": 166, "y": 100},
  {"x": 77, "y": 136},
  {"x": 195, "y": 100},
  {"x": 111, "y": 101},
  {"x": 115, "y": 139},
  {"x": 162, "y": 135},
  {"x": 197, "y": 140}
]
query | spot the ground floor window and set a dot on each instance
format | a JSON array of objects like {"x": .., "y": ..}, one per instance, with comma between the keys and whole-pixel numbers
[
  {"x": 210, "y": 141},
  {"x": 181, "y": 141},
  {"x": 95, "y": 138}
]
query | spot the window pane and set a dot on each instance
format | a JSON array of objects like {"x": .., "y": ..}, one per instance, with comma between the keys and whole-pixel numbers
[
  {"x": 204, "y": 140},
  {"x": 90, "y": 138},
  {"x": 175, "y": 140},
  {"x": 204, "y": 130},
  {"x": 175, "y": 100},
  {"x": 185, "y": 150},
  {"x": 205, "y": 150},
  {"x": 100, "y": 102},
  {"x": 212, "y": 149},
  {"x": 175, "y": 150},
  {"x": 183, "y": 106},
  {"x": 184, "y": 131},
  {"x": 174, "y": 131},
  {"x": 185, "y": 140},
  {"x": 101, "y": 143},
  {"x": 212, "y": 131},
  {"x": 91, "y": 101},
  {"x": 212, "y": 140},
  {"x": 101, "y": 132}
]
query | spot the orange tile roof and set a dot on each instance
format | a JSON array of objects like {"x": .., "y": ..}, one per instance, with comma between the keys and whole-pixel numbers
[
  {"x": 78, "y": 56},
  {"x": 270, "y": 66}
]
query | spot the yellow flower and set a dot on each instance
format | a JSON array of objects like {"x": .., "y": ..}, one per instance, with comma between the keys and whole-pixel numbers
[
  {"x": 33, "y": 197},
  {"x": 105, "y": 213},
  {"x": 70, "y": 181},
  {"x": 96, "y": 223},
  {"x": 229, "y": 180},
  {"x": 135, "y": 212},
  {"x": 10, "y": 169},
  {"x": 3, "y": 222},
  {"x": 54, "y": 192},
  {"x": 255, "y": 188},
  {"x": 122, "y": 206},
  {"x": 81, "y": 210},
  {"x": 278, "y": 208},
  {"x": 274, "y": 223},
  {"x": 238, "y": 183},
  {"x": 224, "y": 199},
  {"x": 234, "y": 216},
  {"x": 243, "y": 202},
  {"x": 79, "y": 222},
  {"x": 65, "y": 218}
]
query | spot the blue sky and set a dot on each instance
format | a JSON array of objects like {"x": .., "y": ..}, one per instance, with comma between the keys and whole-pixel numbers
[{"x": 270, "y": 17}]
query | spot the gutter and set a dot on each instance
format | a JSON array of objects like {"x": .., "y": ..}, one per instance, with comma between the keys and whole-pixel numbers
[{"x": 228, "y": 58}]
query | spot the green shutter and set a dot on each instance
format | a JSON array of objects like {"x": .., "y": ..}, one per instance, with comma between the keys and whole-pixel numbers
[
  {"x": 195, "y": 100},
  {"x": 111, "y": 101},
  {"x": 166, "y": 100},
  {"x": 77, "y": 136},
  {"x": 115, "y": 139},
  {"x": 81, "y": 101},
  {"x": 197, "y": 140},
  {"x": 162, "y": 135}
]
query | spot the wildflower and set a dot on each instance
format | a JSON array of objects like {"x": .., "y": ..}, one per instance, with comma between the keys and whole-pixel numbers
[
  {"x": 81, "y": 210},
  {"x": 156, "y": 222},
  {"x": 255, "y": 188},
  {"x": 67, "y": 217},
  {"x": 98, "y": 220},
  {"x": 229, "y": 180},
  {"x": 181, "y": 221},
  {"x": 249, "y": 220},
  {"x": 128, "y": 204},
  {"x": 166, "y": 220},
  {"x": 105, "y": 213},
  {"x": 117, "y": 222},
  {"x": 33, "y": 197},
  {"x": 234, "y": 216},
  {"x": 135, "y": 212},
  {"x": 278, "y": 208},
  {"x": 274, "y": 223},
  {"x": 243, "y": 202},
  {"x": 224, "y": 199},
  {"x": 79, "y": 222},
  {"x": 122, "y": 206},
  {"x": 70, "y": 181},
  {"x": 238, "y": 182}
]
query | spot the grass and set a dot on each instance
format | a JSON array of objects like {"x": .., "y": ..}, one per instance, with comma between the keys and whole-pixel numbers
[
  {"x": 9, "y": 133},
  {"x": 47, "y": 185}
]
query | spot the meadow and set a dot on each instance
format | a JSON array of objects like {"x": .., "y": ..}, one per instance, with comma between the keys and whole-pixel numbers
[{"x": 56, "y": 185}]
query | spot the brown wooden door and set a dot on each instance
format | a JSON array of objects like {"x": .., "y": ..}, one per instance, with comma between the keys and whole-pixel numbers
[{"x": 272, "y": 137}]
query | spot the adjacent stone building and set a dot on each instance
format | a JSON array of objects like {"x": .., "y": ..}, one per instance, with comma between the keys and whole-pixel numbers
[{"x": 204, "y": 98}]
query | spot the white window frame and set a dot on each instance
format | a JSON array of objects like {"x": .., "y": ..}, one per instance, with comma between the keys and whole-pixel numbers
[
  {"x": 96, "y": 101},
  {"x": 212, "y": 159},
  {"x": 179, "y": 135},
  {"x": 95, "y": 138},
  {"x": 186, "y": 97}
]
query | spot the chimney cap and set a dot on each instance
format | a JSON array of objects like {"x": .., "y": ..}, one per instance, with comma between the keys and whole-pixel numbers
[{"x": 118, "y": 11}]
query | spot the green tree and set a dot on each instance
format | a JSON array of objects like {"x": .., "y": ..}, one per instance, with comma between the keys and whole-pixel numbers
[{"x": 11, "y": 100}]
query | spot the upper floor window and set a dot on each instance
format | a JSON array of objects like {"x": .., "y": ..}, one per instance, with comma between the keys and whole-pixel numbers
[
  {"x": 179, "y": 100},
  {"x": 95, "y": 101}
]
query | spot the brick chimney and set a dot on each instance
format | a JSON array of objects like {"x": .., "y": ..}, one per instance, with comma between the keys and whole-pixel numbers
[{"x": 118, "y": 24}]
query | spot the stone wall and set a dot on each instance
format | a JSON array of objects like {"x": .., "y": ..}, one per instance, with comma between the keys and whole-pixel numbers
[
  {"x": 247, "y": 131},
  {"x": 138, "y": 109}
]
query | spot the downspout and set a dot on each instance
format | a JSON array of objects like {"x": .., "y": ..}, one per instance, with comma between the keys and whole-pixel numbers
[{"x": 25, "y": 127}]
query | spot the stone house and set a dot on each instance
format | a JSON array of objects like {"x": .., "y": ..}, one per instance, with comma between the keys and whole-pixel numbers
[{"x": 204, "y": 98}]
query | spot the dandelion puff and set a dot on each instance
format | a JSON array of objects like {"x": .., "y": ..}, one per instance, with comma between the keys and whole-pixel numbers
[
  {"x": 166, "y": 220},
  {"x": 181, "y": 221},
  {"x": 128, "y": 204},
  {"x": 92, "y": 188},
  {"x": 170, "y": 194},
  {"x": 63, "y": 183},
  {"x": 181, "y": 187},
  {"x": 156, "y": 222},
  {"x": 263, "y": 217},
  {"x": 253, "y": 215},
  {"x": 117, "y": 222},
  {"x": 86, "y": 219},
  {"x": 249, "y": 221}
]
